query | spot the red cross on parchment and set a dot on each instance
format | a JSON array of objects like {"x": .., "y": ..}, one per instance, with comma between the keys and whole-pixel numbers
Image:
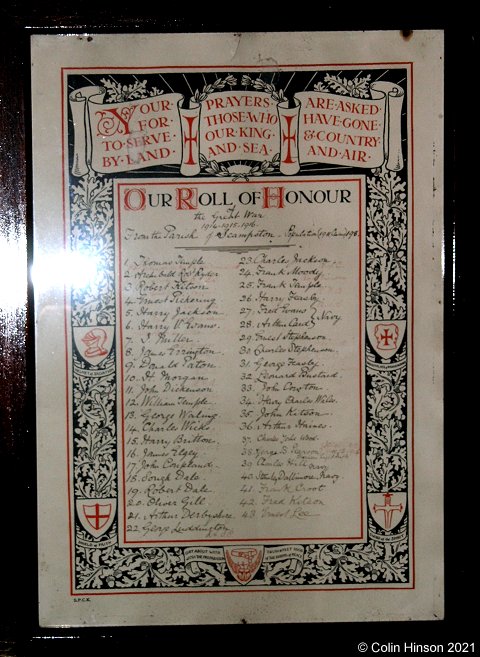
[
  {"x": 289, "y": 136},
  {"x": 190, "y": 139},
  {"x": 386, "y": 337},
  {"x": 97, "y": 516},
  {"x": 388, "y": 508}
]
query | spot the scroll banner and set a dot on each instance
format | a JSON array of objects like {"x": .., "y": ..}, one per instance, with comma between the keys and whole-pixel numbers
[
  {"x": 93, "y": 373},
  {"x": 292, "y": 553},
  {"x": 97, "y": 545},
  {"x": 196, "y": 555},
  {"x": 237, "y": 126},
  {"x": 389, "y": 538}
]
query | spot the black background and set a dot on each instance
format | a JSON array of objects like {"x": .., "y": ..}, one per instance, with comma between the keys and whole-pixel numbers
[{"x": 19, "y": 631}]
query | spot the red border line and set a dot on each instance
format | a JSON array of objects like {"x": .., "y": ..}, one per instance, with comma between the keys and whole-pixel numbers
[
  {"x": 246, "y": 589},
  {"x": 361, "y": 343},
  {"x": 288, "y": 181},
  {"x": 65, "y": 328},
  {"x": 122, "y": 387},
  {"x": 193, "y": 181},
  {"x": 412, "y": 302},
  {"x": 243, "y": 589},
  {"x": 67, "y": 369},
  {"x": 241, "y": 67}
]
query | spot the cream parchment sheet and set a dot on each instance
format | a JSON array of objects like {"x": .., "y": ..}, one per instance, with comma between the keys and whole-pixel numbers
[{"x": 238, "y": 293}]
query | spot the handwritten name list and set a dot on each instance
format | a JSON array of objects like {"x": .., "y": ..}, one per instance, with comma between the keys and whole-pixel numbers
[{"x": 240, "y": 365}]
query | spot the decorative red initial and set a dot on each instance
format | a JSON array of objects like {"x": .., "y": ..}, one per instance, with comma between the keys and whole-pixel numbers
[
  {"x": 98, "y": 514},
  {"x": 134, "y": 199},
  {"x": 290, "y": 137},
  {"x": 114, "y": 120},
  {"x": 388, "y": 509}
]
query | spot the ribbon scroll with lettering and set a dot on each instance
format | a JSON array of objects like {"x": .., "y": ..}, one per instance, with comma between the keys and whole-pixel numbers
[{"x": 230, "y": 126}]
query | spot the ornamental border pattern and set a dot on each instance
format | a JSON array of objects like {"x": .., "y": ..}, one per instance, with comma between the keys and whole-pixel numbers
[{"x": 100, "y": 563}]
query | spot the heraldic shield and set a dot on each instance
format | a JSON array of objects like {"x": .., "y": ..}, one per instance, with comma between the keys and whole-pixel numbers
[
  {"x": 96, "y": 515},
  {"x": 94, "y": 343},
  {"x": 387, "y": 509},
  {"x": 386, "y": 337},
  {"x": 243, "y": 561}
]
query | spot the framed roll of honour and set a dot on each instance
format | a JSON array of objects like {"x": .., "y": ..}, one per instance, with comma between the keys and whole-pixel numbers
[{"x": 238, "y": 291}]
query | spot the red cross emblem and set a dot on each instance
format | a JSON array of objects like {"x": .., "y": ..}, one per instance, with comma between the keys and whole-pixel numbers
[
  {"x": 289, "y": 136},
  {"x": 288, "y": 114},
  {"x": 386, "y": 336},
  {"x": 189, "y": 138},
  {"x": 387, "y": 509},
  {"x": 96, "y": 516},
  {"x": 189, "y": 123}
]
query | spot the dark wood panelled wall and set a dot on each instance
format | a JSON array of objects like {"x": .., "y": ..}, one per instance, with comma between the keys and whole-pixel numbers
[{"x": 19, "y": 633}]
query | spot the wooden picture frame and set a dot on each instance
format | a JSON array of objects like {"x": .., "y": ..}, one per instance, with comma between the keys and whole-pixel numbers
[{"x": 17, "y": 393}]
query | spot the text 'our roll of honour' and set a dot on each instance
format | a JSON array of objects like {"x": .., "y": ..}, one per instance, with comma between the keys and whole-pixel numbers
[{"x": 193, "y": 198}]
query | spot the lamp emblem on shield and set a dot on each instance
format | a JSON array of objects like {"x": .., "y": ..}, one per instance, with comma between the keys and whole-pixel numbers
[
  {"x": 243, "y": 561},
  {"x": 96, "y": 515},
  {"x": 94, "y": 343},
  {"x": 386, "y": 337},
  {"x": 387, "y": 509}
]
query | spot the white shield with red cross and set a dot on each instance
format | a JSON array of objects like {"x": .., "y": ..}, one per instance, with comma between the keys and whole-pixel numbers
[
  {"x": 243, "y": 561},
  {"x": 96, "y": 515},
  {"x": 93, "y": 342},
  {"x": 386, "y": 337},
  {"x": 387, "y": 509}
]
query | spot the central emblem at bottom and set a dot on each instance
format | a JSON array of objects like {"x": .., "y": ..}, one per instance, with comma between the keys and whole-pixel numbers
[{"x": 244, "y": 561}]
